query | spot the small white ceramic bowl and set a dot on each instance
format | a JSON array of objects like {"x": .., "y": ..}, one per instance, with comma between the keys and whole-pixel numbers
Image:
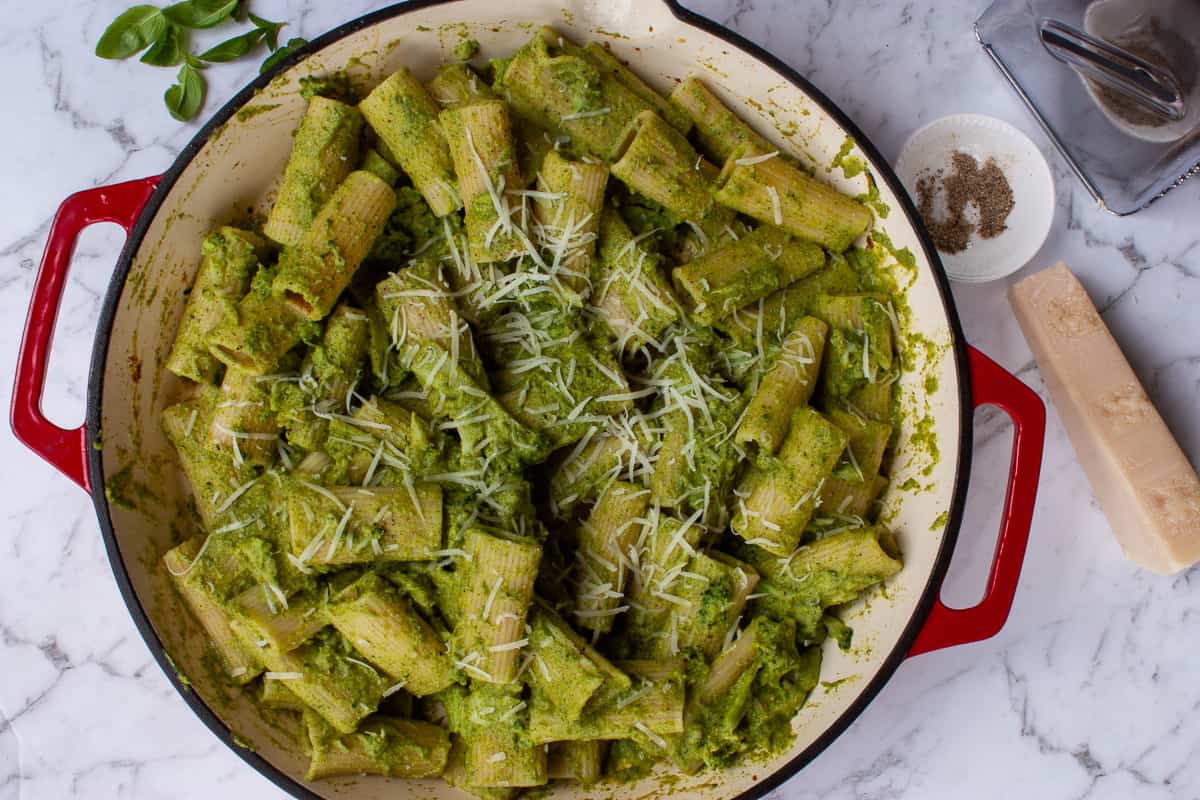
[{"x": 983, "y": 137}]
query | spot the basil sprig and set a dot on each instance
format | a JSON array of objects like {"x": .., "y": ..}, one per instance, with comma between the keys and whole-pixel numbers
[{"x": 163, "y": 34}]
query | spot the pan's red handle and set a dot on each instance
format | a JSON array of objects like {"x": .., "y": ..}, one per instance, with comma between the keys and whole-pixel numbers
[
  {"x": 992, "y": 385},
  {"x": 65, "y": 449}
]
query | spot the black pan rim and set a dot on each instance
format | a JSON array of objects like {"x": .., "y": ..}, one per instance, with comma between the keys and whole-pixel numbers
[{"x": 882, "y": 171}]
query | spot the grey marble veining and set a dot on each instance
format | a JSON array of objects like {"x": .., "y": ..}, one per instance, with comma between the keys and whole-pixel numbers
[{"x": 1090, "y": 690}]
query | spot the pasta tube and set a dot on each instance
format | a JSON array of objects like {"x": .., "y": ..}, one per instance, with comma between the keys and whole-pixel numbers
[
  {"x": 497, "y": 589},
  {"x": 239, "y": 662},
  {"x": 744, "y": 271},
  {"x": 497, "y": 749},
  {"x": 779, "y": 312},
  {"x": 603, "y": 555},
  {"x": 718, "y": 129},
  {"x": 230, "y": 259},
  {"x": 260, "y": 333},
  {"x": 786, "y": 386},
  {"x": 481, "y": 145},
  {"x": 355, "y": 525},
  {"x": 568, "y": 218},
  {"x": 776, "y": 501},
  {"x": 662, "y": 559},
  {"x": 649, "y": 710},
  {"x": 868, "y": 440},
  {"x": 576, "y": 761},
  {"x": 772, "y": 190},
  {"x": 328, "y": 374},
  {"x": 568, "y": 95},
  {"x": 242, "y": 419},
  {"x": 455, "y": 774},
  {"x": 313, "y": 274},
  {"x": 456, "y": 85},
  {"x": 419, "y": 308},
  {"x": 657, "y": 161},
  {"x": 384, "y": 627},
  {"x": 585, "y": 472},
  {"x": 380, "y": 167},
  {"x": 834, "y": 569},
  {"x": 566, "y": 672},
  {"x": 851, "y": 498},
  {"x": 284, "y": 628},
  {"x": 715, "y": 587},
  {"x": 610, "y": 65},
  {"x": 630, "y": 293},
  {"x": 395, "y": 748},
  {"x": 405, "y": 117},
  {"x": 323, "y": 153},
  {"x": 275, "y": 694},
  {"x": 210, "y": 472},
  {"x": 320, "y": 674}
]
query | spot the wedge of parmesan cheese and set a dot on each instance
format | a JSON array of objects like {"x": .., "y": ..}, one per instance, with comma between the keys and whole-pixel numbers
[{"x": 1138, "y": 472}]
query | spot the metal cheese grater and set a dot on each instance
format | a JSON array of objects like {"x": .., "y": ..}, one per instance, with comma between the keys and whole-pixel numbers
[{"x": 1114, "y": 83}]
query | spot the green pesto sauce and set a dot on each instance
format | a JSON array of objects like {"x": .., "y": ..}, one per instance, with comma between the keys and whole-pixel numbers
[
  {"x": 579, "y": 81},
  {"x": 829, "y": 686},
  {"x": 924, "y": 438},
  {"x": 904, "y": 257},
  {"x": 752, "y": 719},
  {"x": 183, "y": 679},
  {"x": 850, "y": 165},
  {"x": 124, "y": 490},
  {"x": 871, "y": 198},
  {"x": 940, "y": 522},
  {"x": 410, "y": 227},
  {"x": 335, "y": 86},
  {"x": 466, "y": 49},
  {"x": 882, "y": 267},
  {"x": 242, "y": 743},
  {"x": 250, "y": 112}
]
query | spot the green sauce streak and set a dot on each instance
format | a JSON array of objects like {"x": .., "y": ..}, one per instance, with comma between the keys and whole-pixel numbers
[
  {"x": 850, "y": 165},
  {"x": 126, "y": 491},
  {"x": 466, "y": 49},
  {"x": 249, "y": 112},
  {"x": 831, "y": 685}
]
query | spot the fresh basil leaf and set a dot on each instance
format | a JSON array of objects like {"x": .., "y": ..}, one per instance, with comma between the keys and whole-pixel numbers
[
  {"x": 276, "y": 58},
  {"x": 192, "y": 61},
  {"x": 187, "y": 95},
  {"x": 132, "y": 32},
  {"x": 200, "y": 13},
  {"x": 167, "y": 51},
  {"x": 271, "y": 30},
  {"x": 234, "y": 48}
]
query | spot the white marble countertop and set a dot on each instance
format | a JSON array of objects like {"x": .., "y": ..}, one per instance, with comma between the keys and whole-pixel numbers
[{"x": 1089, "y": 691}]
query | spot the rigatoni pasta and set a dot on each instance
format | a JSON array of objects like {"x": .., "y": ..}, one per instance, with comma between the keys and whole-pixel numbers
[
  {"x": 718, "y": 129},
  {"x": 231, "y": 257},
  {"x": 517, "y": 455},
  {"x": 772, "y": 190},
  {"x": 325, "y": 150},
  {"x": 481, "y": 144},
  {"x": 404, "y": 116}
]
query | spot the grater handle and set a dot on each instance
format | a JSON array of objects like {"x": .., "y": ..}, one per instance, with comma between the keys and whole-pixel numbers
[{"x": 1147, "y": 84}]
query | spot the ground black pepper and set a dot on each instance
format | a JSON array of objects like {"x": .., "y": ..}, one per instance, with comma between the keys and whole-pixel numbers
[{"x": 967, "y": 183}]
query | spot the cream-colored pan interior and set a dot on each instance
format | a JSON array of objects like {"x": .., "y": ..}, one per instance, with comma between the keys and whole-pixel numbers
[{"x": 237, "y": 169}]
